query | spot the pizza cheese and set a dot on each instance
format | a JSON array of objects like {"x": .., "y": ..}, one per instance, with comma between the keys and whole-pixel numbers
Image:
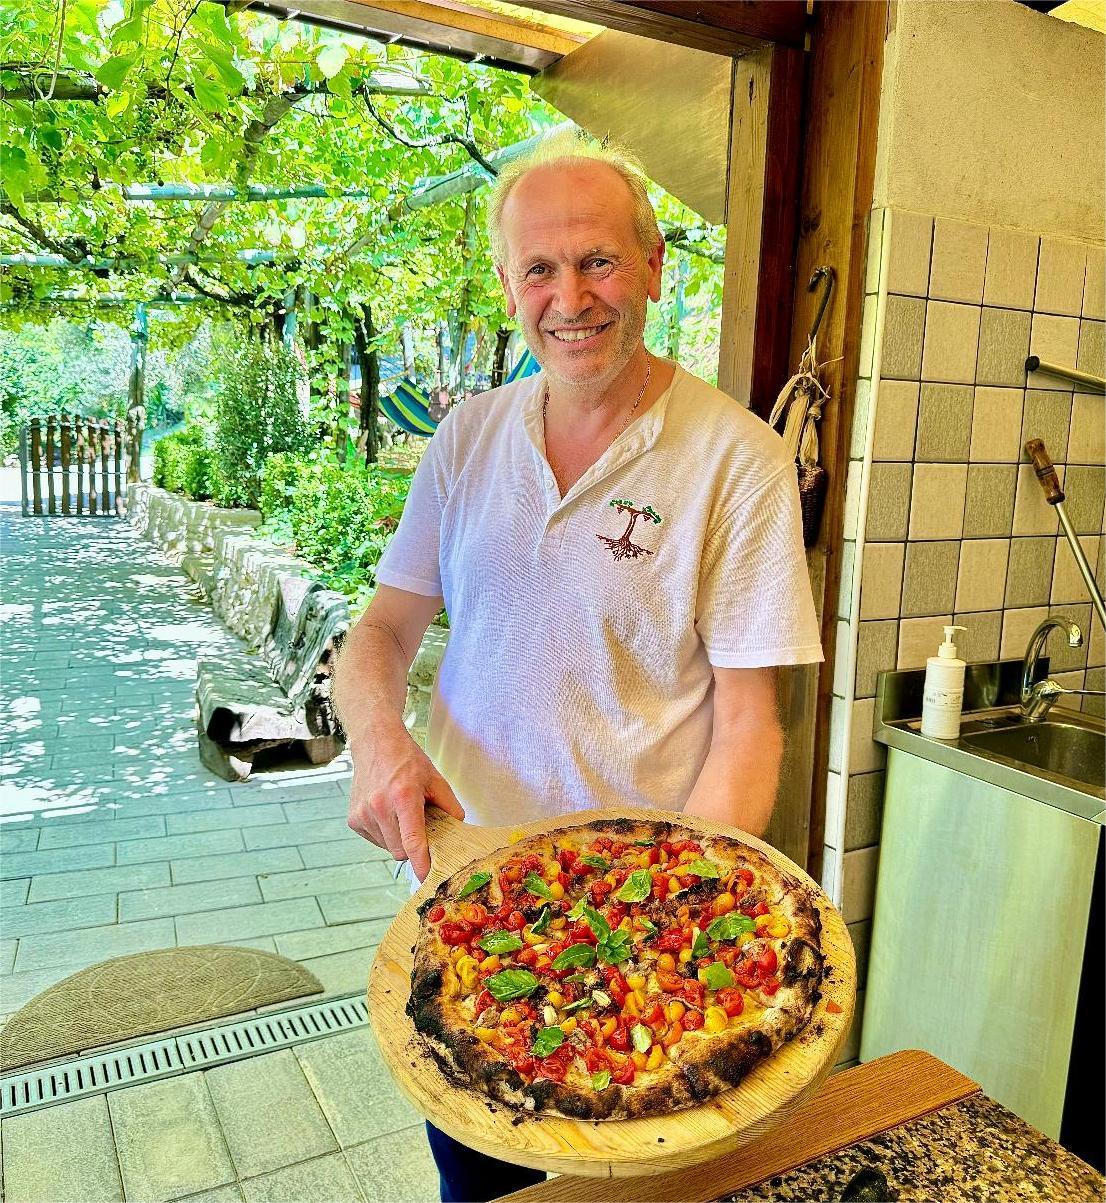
[{"x": 615, "y": 969}]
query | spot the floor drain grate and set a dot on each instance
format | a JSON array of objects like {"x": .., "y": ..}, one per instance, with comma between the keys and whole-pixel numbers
[{"x": 67, "y": 1080}]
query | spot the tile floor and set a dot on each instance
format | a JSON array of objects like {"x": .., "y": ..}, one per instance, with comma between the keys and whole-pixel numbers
[{"x": 114, "y": 839}]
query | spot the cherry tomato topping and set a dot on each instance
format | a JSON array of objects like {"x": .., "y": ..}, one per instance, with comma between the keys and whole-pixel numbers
[
  {"x": 692, "y": 1020},
  {"x": 624, "y": 1075},
  {"x": 767, "y": 961},
  {"x": 617, "y": 849},
  {"x": 655, "y": 1014},
  {"x": 436, "y": 914},
  {"x": 516, "y": 920},
  {"x": 484, "y": 1000},
  {"x": 598, "y": 890},
  {"x": 526, "y": 956},
  {"x": 455, "y": 933},
  {"x": 619, "y": 1039},
  {"x": 731, "y": 1001},
  {"x": 770, "y": 986}
]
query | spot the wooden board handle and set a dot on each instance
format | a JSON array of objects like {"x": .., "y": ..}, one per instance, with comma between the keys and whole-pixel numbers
[{"x": 1046, "y": 473}]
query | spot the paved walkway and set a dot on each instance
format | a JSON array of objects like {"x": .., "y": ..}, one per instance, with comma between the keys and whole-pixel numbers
[{"x": 114, "y": 839}]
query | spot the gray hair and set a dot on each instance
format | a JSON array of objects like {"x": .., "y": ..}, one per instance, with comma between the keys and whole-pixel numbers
[{"x": 574, "y": 147}]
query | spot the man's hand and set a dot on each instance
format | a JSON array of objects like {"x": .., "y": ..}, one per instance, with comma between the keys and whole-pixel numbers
[{"x": 393, "y": 779}]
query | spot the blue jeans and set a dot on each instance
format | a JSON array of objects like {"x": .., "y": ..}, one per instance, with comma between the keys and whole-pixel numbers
[{"x": 471, "y": 1177}]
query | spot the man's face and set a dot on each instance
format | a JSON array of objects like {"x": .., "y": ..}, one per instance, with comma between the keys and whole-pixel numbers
[{"x": 576, "y": 275}]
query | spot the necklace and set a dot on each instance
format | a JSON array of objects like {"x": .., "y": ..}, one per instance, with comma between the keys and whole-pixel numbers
[{"x": 621, "y": 429}]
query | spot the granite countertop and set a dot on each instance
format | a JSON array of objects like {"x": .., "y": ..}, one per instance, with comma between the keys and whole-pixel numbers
[{"x": 974, "y": 1150}]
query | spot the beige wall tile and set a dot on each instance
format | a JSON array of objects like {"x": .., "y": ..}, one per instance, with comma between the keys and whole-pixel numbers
[
  {"x": 989, "y": 506},
  {"x": 881, "y": 580},
  {"x": 862, "y": 416},
  {"x": 929, "y": 584},
  {"x": 1084, "y": 485},
  {"x": 1062, "y": 657},
  {"x": 1046, "y": 415},
  {"x": 1032, "y": 513},
  {"x": 951, "y": 342},
  {"x": 1017, "y": 626},
  {"x": 861, "y": 935},
  {"x": 1029, "y": 573},
  {"x": 858, "y": 891},
  {"x": 979, "y": 641},
  {"x": 835, "y": 809},
  {"x": 1096, "y": 655},
  {"x": 888, "y": 502},
  {"x": 1003, "y": 346},
  {"x": 937, "y": 501},
  {"x": 981, "y": 580},
  {"x": 853, "y": 480},
  {"x": 1061, "y": 271},
  {"x": 996, "y": 425},
  {"x": 911, "y": 238},
  {"x": 875, "y": 251},
  {"x": 868, "y": 335},
  {"x": 1092, "y": 348},
  {"x": 945, "y": 422},
  {"x": 842, "y": 658},
  {"x": 877, "y": 644},
  {"x": 1087, "y": 439},
  {"x": 864, "y": 810},
  {"x": 1055, "y": 340},
  {"x": 1011, "y": 269},
  {"x": 959, "y": 261},
  {"x": 865, "y": 755},
  {"x": 904, "y": 321},
  {"x": 1067, "y": 580},
  {"x": 896, "y": 419},
  {"x": 919, "y": 638},
  {"x": 1095, "y": 679},
  {"x": 1094, "y": 287}
]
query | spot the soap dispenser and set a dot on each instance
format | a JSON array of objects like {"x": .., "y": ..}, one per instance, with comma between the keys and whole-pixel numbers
[{"x": 944, "y": 690}]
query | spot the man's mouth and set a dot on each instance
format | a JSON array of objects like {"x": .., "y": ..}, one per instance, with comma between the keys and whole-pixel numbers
[{"x": 578, "y": 335}]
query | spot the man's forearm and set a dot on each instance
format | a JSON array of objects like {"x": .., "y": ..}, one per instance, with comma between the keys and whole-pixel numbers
[
  {"x": 739, "y": 778},
  {"x": 370, "y": 681}
]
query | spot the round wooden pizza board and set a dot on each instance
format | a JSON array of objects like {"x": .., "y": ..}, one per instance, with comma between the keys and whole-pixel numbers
[{"x": 608, "y": 1148}]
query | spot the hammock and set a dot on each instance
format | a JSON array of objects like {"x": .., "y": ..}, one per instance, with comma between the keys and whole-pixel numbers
[
  {"x": 409, "y": 408},
  {"x": 525, "y": 365}
]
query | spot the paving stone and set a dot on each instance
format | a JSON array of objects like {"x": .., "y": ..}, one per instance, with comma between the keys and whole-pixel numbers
[
  {"x": 354, "y": 1087},
  {"x": 171, "y": 803},
  {"x": 257, "y": 1143},
  {"x": 57, "y": 860},
  {"x": 101, "y": 832},
  {"x": 63, "y": 915},
  {"x": 342, "y": 852},
  {"x": 7, "y": 955},
  {"x": 91, "y": 945},
  {"x": 17, "y": 989},
  {"x": 300, "y": 945},
  {"x": 342, "y": 972},
  {"x": 235, "y": 864},
  {"x": 364, "y": 875},
  {"x": 395, "y": 1168},
  {"x": 48, "y": 886},
  {"x": 171, "y": 847},
  {"x": 352, "y": 905},
  {"x": 290, "y": 787},
  {"x": 323, "y": 1180},
  {"x": 13, "y": 892},
  {"x": 330, "y": 806},
  {"x": 286, "y": 834},
  {"x": 183, "y": 900},
  {"x": 241, "y": 922},
  {"x": 232, "y": 1193},
  {"x": 33, "y": 1171},
  {"x": 169, "y": 1139},
  {"x": 223, "y": 820},
  {"x": 17, "y": 839}
]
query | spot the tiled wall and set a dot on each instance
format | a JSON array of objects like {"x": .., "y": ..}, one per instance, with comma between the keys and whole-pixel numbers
[{"x": 945, "y": 521}]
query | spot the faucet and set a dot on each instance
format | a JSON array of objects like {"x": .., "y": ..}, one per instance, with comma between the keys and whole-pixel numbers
[{"x": 1038, "y": 698}]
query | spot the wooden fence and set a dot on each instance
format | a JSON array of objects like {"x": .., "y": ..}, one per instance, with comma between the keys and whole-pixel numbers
[{"x": 77, "y": 462}]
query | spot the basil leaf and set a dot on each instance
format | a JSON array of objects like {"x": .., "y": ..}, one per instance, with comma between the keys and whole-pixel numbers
[
  {"x": 577, "y": 977},
  {"x": 644, "y": 843},
  {"x": 500, "y": 942},
  {"x": 509, "y": 984},
  {"x": 476, "y": 882},
  {"x": 700, "y": 946},
  {"x": 576, "y": 1006},
  {"x": 717, "y": 977},
  {"x": 596, "y": 862},
  {"x": 730, "y": 926},
  {"x": 574, "y": 955},
  {"x": 535, "y": 885},
  {"x": 637, "y": 887},
  {"x": 578, "y": 908},
  {"x": 601, "y": 1079},
  {"x": 702, "y": 868},
  {"x": 642, "y": 1037},
  {"x": 616, "y": 948},
  {"x": 547, "y": 1041},
  {"x": 649, "y": 926},
  {"x": 542, "y": 921},
  {"x": 597, "y": 923}
]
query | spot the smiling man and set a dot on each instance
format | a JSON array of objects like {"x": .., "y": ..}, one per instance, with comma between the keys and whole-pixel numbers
[{"x": 618, "y": 545}]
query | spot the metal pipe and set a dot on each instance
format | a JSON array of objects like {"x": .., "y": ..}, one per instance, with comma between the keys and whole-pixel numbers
[{"x": 1036, "y": 364}]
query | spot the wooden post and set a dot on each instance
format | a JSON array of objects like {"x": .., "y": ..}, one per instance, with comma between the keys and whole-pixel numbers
[
  {"x": 105, "y": 470},
  {"x": 91, "y": 439},
  {"x": 23, "y": 469},
  {"x": 36, "y": 461},
  {"x": 51, "y": 433},
  {"x": 117, "y": 442},
  {"x": 80, "y": 439},
  {"x": 66, "y": 458}
]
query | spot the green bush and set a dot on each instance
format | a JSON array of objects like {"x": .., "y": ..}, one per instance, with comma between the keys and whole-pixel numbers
[
  {"x": 183, "y": 463},
  {"x": 257, "y": 414}
]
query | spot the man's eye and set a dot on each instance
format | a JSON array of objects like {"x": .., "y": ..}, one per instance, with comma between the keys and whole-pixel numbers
[
  {"x": 537, "y": 269},
  {"x": 599, "y": 263}
]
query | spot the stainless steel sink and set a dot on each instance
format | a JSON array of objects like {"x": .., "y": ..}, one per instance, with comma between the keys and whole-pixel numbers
[{"x": 1059, "y": 747}]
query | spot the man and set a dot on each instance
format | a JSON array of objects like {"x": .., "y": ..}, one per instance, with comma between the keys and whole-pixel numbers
[{"x": 618, "y": 547}]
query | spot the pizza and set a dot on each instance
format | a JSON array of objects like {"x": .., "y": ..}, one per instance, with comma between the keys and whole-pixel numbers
[{"x": 616, "y": 969}]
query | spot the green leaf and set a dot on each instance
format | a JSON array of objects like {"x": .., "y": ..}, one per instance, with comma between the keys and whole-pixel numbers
[
  {"x": 729, "y": 927},
  {"x": 577, "y": 909},
  {"x": 637, "y": 887},
  {"x": 509, "y": 984},
  {"x": 642, "y": 1037},
  {"x": 577, "y": 977},
  {"x": 616, "y": 948},
  {"x": 649, "y": 926},
  {"x": 533, "y": 884},
  {"x": 596, "y": 862},
  {"x": 601, "y": 1079},
  {"x": 597, "y": 923},
  {"x": 500, "y": 942},
  {"x": 700, "y": 946},
  {"x": 112, "y": 73},
  {"x": 577, "y": 1005},
  {"x": 118, "y": 103},
  {"x": 209, "y": 95},
  {"x": 332, "y": 59},
  {"x": 717, "y": 977},
  {"x": 702, "y": 868},
  {"x": 547, "y": 1041},
  {"x": 576, "y": 956},
  {"x": 542, "y": 921},
  {"x": 645, "y": 843},
  {"x": 129, "y": 31},
  {"x": 50, "y": 135},
  {"x": 339, "y": 85},
  {"x": 476, "y": 882}
]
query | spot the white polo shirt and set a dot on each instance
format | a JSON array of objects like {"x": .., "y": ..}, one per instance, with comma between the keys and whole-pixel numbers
[{"x": 584, "y": 629}]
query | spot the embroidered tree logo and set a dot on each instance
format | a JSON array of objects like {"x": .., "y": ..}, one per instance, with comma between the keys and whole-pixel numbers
[{"x": 622, "y": 546}]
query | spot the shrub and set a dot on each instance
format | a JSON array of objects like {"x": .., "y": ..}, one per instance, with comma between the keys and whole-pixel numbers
[
  {"x": 257, "y": 414},
  {"x": 183, "y": 463}
]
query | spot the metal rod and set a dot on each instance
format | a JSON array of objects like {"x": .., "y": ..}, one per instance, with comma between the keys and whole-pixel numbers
[
  {"x": 1081, "y": 561},
  {"x": 1036, "y": 364}
]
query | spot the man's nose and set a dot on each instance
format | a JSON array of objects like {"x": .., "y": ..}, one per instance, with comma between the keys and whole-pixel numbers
[{"x": 573, "y": 294}]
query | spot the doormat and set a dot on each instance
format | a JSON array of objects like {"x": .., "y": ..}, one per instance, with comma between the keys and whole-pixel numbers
[{"x": 148, "y": 992}]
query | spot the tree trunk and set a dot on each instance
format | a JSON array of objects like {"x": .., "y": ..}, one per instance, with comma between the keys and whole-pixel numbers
[
  {"x": 364, "y": 333},
  {"x": 443, "y": 355},
  {"x": 499, "y": 363},
  {"x": 407, "y": 338},
  {"x": 342, "y": 390}
]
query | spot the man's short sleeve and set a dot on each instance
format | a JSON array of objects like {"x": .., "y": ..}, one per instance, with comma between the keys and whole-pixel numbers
[
  {"x": 411, "y": 559},
  {"x": 754, "y": 607}
]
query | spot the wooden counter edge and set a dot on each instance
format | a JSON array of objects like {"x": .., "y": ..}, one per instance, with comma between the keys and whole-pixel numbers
[{"x": 853, "y": 1105}]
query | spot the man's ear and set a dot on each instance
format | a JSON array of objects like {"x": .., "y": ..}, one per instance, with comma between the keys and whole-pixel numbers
[
  {"x": 511, "y": 306},
  {"x": 654, "y": 265}
]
